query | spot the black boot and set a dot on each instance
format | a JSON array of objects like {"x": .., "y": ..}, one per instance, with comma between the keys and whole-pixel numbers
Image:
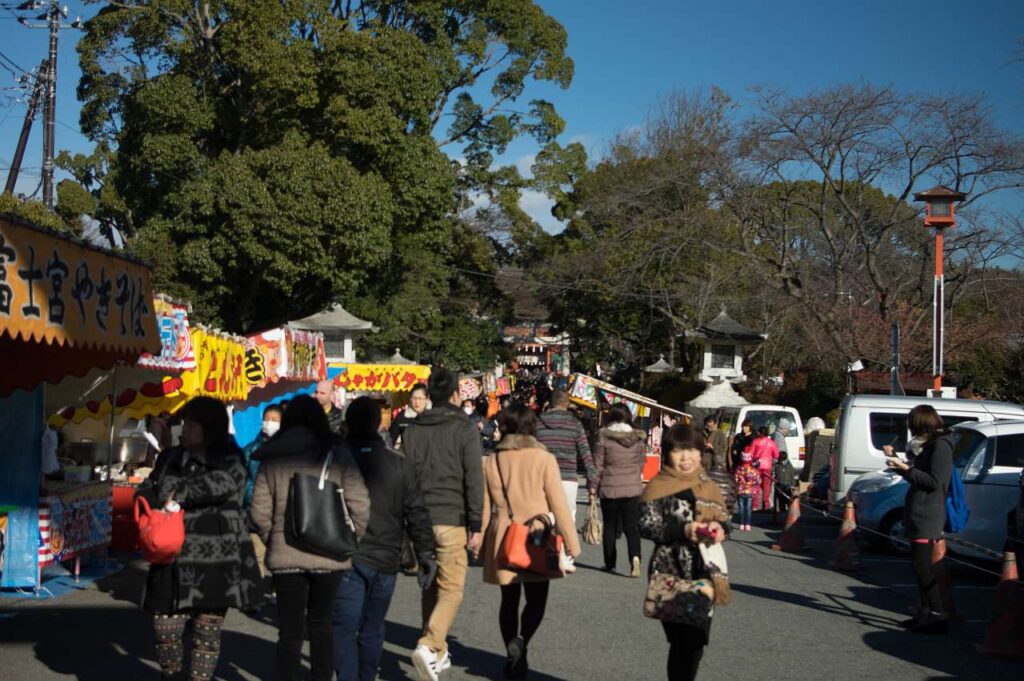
[
  {"x": 934, "y": 623},
  {"x": 515, "y": 665}
]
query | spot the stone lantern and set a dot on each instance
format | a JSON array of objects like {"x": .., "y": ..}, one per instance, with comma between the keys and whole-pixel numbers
[{"x": 722, "y": 342}]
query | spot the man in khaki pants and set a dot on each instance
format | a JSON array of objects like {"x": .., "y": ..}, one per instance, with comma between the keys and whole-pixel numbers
[{"x": 443, "y": 446}]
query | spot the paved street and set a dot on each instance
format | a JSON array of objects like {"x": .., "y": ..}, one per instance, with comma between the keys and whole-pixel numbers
[{"x": 792, "y": 618}]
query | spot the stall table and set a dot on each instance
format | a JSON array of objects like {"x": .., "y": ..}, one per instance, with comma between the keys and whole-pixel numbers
[{"x": 73, "y": 518}]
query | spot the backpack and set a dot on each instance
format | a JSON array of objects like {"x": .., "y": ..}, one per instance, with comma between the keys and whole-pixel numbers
[{"x": 957, "y": 512}]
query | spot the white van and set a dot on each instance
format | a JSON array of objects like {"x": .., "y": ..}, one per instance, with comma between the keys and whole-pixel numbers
[
  {"x": 730, "y": 420},
  {"x": 869, "y": 422}
]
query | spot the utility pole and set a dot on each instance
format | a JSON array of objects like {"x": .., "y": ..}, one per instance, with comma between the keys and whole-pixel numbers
[
  {"x": 50, "y": 107},
  {"x": 52, "y": 21},
  {"x": 26, "y": 128}
]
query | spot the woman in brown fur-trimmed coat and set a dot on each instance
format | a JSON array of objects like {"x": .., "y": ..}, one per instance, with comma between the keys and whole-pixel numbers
[{"x": 678, "y": 503}]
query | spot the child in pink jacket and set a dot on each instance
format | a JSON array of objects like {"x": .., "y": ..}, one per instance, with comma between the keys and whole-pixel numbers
[
  {"x": 764, "y": 453},
  {"x": 748, "y": 482}
]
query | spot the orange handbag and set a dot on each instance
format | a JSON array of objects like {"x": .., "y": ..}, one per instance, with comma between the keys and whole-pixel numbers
[
  {"x": 527, "y": 548},
  {"x": 161, "y": 533}
]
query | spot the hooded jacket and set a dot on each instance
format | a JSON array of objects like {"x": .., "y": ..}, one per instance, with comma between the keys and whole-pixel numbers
[
  {"x": 443, "y": 447},
  {"x": 619, "y": 459},
  {"x": 397, "y": 504}
]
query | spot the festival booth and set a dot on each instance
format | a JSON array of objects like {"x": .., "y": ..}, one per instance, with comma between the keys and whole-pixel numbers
[
  {"x": 279, "y": 365},
  {"x": 596, "y": 395},
  {"x": 66, "y": 308},
  {"x": 110, "y": 427},
  {"x": 389, "y": 382}
]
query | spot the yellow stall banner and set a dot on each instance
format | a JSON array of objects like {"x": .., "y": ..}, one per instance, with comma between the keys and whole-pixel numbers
[
  {"x": 67, "y": 307},
  {"x": 377, "y": 377},
  {"x": 220, "y": 363},
  {"x": 57, "y": 291}
]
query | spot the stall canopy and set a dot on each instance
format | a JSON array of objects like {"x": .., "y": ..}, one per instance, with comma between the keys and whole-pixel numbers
[
  {"x": 213, "y": 367},
  {"x": 67, "y": 307},
  {"x": 589, "y": 392}
]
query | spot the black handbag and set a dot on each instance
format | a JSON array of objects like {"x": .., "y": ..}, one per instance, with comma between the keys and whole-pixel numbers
[{"x": 316, "y": 517}]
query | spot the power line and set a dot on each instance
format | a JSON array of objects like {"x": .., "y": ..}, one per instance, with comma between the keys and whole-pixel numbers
[{"x": 13, "y": 63}]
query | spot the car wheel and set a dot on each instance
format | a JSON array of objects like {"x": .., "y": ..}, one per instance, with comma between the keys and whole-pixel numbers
[{"x": 895, "y": 533}]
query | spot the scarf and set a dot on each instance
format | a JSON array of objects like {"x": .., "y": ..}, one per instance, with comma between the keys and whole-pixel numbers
[
  {"x": 670, "y": 482},
  {"x": 710, "y": 506}
]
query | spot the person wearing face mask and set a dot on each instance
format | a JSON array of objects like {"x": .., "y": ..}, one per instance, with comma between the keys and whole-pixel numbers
[
  {"x": 470, "y": 409},
  {"x": 271, "y": 424}
]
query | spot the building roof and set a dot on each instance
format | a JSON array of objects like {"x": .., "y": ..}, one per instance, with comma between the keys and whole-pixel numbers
[
  {"x": 335, "y": 319},
  {"x": 879, "y": 381},
  {"x": 724, "y": 327}
]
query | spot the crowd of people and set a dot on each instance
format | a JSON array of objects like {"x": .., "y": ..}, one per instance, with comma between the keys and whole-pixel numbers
[
  {"x": 443, "y": 482},
  {"x": 446, "y": 482}
]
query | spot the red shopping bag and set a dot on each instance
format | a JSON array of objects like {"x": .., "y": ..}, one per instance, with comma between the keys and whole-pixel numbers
[{"x": 161, "y": 533}]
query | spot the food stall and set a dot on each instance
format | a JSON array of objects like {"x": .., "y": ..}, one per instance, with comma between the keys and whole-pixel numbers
[
  {"x": 279, "y": 365},
  {"x": 595, "y": 394},
  {"x": 390, "y": 382},
  {"x": 66, "y": 308}
]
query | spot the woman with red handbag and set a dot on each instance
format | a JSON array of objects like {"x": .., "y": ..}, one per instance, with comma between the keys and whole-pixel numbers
[
  {"x": 523, "y": 484},
  {"x": 216, "y": 569}
]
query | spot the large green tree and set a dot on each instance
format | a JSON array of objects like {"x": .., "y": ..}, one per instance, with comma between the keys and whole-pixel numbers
[{"x": 274, "y": 156}]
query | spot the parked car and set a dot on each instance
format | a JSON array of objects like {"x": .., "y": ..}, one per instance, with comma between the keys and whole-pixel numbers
[
  {"x": 869, "y": 422},
  {"x": 730, "y": 420},
  {"x": 1015, "y": 523},
  {"x": 989, "y": 457}
]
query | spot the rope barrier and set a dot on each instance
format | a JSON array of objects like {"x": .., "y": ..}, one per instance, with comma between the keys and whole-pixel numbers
[{"x": 867, "y": 530}]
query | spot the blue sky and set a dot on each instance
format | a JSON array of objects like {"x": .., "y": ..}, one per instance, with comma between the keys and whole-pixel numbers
[{"x": 628, "y": 55}]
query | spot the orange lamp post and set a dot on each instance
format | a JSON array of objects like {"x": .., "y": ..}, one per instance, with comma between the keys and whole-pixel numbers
[{"x": 940, "y": 214}]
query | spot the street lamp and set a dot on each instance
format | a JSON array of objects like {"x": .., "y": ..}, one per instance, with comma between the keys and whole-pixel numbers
[{"x": 940, "y": 214}]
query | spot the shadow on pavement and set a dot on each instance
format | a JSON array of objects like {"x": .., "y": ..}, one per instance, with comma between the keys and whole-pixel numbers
[
  {"x": 100, "y": 644},
  {"x": 477, "y": 663},
  {"x": 950, "y": 655},
  {"x": 829, "y": 603}
]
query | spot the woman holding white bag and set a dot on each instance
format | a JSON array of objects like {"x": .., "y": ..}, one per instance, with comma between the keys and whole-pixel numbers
[{"x": 682, "y": 511}]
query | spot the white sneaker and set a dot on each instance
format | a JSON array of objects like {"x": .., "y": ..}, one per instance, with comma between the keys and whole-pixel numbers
[{"x": 429, "y": 664}]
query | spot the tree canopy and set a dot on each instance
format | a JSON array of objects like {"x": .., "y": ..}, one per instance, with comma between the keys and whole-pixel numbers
[{"x": 272, "y": 157}]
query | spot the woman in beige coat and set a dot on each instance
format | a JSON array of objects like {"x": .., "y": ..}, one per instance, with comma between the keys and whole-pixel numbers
[
  {"x": 305, "y": 583},
  {"x": 532, "y": 486}
]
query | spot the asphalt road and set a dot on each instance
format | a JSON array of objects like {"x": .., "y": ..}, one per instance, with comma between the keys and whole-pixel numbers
[{"x": 792, "y": 618}]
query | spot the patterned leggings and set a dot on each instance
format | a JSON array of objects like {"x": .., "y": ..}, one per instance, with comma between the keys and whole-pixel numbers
[{"x": 170, "y": 652}]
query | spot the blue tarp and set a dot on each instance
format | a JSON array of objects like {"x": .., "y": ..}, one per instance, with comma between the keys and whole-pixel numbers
[
  {"x": 21, "y": 432},
  {"x": 248, "y": 423}
]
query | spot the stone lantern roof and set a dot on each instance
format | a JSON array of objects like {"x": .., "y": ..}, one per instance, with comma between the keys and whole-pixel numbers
[
  {"x": 335, "y": 319},
  {"x": 725, "y": 328},
  {"x": 660, "y": 367}
]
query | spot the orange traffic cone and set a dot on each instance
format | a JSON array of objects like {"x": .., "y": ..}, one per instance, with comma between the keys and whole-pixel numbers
[
  {"x": 847, "y": 557},
  {"x": 1005, "y": 636},
  {"x": 793, "y": 532},
  {"x": 943, "y": 578}
]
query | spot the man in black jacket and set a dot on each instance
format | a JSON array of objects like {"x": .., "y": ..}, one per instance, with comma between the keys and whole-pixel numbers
[
  {"x": 444, "y": 449},
  {"x": 396, "y": 506},
  {"x": 324, "y": 395}
]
